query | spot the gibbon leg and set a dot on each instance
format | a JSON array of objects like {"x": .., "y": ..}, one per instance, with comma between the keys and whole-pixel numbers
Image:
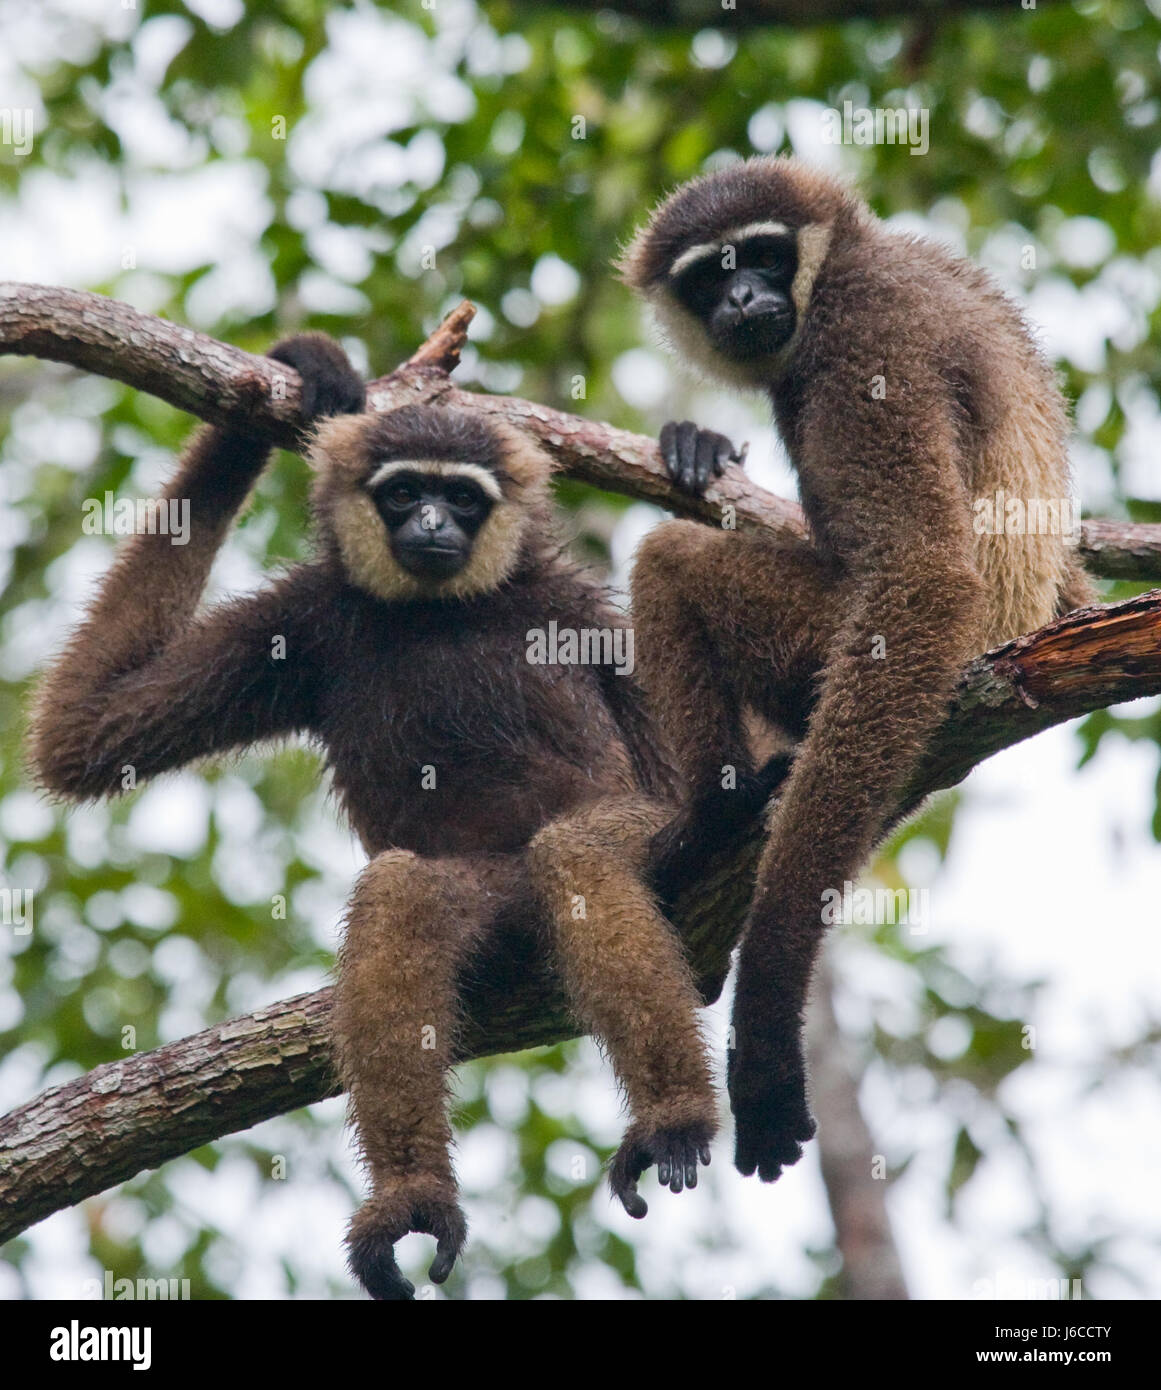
[
  {"x": 411, "y": 924},
  {"x": 628, "y": 982},
  {"x": 725, "y": 620},
  {"x": 866, "y": 735}
]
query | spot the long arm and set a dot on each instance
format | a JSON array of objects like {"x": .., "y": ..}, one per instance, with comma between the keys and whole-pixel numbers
[
  {"x": 912, "y": 613},
  {"x": 144, "y": 685}
]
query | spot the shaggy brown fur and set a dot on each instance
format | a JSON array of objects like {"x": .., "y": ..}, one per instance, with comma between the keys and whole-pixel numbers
[
  {"x": 852, "y": 642},
  {"x": 481, "y": 784}
]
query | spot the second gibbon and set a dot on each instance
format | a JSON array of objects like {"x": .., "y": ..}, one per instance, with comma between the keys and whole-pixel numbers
[
  {"x": 906, "y": 388},
  {"x": 494, "y": 795}
]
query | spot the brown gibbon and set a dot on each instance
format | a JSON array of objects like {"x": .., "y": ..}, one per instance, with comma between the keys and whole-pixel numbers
[
  {"x": 492, "y": 792},
  {"x": 908, "y": 392}
]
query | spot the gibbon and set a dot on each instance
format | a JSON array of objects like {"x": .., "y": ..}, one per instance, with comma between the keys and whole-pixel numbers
[
  {"x": 910, "y": 395},
  {"x": 493, "y": 793}
]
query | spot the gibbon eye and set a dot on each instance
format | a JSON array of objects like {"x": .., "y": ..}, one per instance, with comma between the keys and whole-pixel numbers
[
  {"x": 766, "y": 253},
  {"x": 464, "y": 497},
  {"x": 699, "y": 285},
  {"x": 401, "y": 494}
]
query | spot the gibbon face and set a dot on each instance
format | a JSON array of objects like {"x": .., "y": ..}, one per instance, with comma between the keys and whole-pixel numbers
[
  {"x": 425, "y": 503},
  {"x": 433, "y": 512},
  {"x": 738, "y": 286},
  {"x": 728, "y": 264}
]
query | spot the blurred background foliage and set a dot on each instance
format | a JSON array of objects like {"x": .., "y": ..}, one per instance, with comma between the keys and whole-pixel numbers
[{"x": 255, "y": 169}]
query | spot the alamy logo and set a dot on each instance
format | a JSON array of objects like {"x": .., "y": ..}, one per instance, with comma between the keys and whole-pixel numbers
[
  {"x": 16, "y": 906},
  {"x": 588, "y": 646},
  {"x": 17, "y": 127},
  {"x": 876, "y": 907},
  {"x": 1004, "y": 515},
  {"x": 885, "y": 125},
  {"x": 141, "y": 516},
  {"x": 1009, "y": 1286},
  {"x": 77, "y": 1343},
  {"x": 149, "y": 1290}
]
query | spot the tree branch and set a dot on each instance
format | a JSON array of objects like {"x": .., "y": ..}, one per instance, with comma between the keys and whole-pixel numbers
[
  {"x": 225, "y": 385},
  {"x": 1120, "y": 549},
  {"x": 82, "y": 1137}
]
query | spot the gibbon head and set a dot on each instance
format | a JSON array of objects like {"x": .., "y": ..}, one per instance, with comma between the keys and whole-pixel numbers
[
  {"x": 728, "y": 263},
  {"x": 428, "y": 503}
]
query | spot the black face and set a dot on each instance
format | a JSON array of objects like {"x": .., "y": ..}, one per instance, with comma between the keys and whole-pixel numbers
[
  {"x": 745, "y": 306},
  {"x": 432, "y": 521}
]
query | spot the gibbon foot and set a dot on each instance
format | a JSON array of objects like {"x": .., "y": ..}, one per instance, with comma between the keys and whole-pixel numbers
[
  {"x": 712, "y": 820},
  {"x": 330, "y": 385},
  {"x": 387, "y": 1217},
  {"x": 675, "y": 1149},
  {"x": 772, "y": 1119},
  {"x": 693, "y": 456}
]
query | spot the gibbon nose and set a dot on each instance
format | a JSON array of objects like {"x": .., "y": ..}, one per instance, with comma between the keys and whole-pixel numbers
[
  {"x": 428, "y": 532},
  {"x": 740, "y": 295}
]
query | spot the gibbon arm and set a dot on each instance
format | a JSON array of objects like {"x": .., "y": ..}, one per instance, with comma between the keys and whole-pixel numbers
[
  {"x": 911, "y": 612},
  {"x": 143, "y": 684}
]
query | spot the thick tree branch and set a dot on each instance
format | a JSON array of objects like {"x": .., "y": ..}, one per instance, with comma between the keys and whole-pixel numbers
[
  {"x": 225, "y": 385},
  {"x": 82, "y": 1137},
  {"x": 1121, "y": 549}
]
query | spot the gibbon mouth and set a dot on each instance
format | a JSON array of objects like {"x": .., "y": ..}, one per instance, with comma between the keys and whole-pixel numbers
[
  {"x": 433, "y": 561},
  {"x": 756, "y": 335}
]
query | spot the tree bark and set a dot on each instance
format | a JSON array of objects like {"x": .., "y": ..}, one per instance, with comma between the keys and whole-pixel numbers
[
  {"x": 80, "y": 1138},
  {"x": 224, "y": 385}
]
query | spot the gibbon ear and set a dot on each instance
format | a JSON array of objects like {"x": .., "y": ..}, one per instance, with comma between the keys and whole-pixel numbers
[
  {"x": 526, "y": 463},
  {"x": 338, "y": 445}
]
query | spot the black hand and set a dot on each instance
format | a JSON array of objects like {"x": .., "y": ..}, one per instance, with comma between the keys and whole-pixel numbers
[
  {"x": 772, "y": 1123},
  {"x": 372, "y": 1252},
  {"x": 693, "y": 456},
  {"x": 450, "y": 1229},
  {"x": 675, "y": 1149},
  {"x": 330, "y": 385},
  {"x": 766, "y": 1077},
  {"x": 372, "y": 1260},
  {"x": 712, "y": 821}
]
